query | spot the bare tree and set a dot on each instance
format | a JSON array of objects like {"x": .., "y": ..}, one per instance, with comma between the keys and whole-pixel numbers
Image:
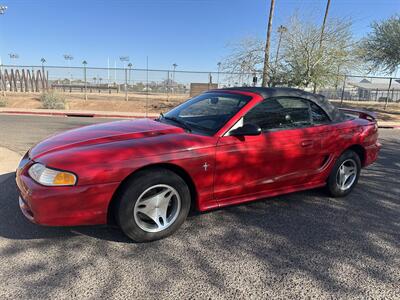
[
  {"x": 246, "y": 58},
  {"x": 303, "y": 60},
  {"x": 309, "y": 63}
]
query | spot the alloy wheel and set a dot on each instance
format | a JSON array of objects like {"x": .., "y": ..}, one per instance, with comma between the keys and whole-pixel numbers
[
  {"x": 157, "y": 208},
  {"x": 346, "y": 174}
]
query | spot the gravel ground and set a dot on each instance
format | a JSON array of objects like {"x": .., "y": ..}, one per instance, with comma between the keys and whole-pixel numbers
[{"x": 302, "y": 245}]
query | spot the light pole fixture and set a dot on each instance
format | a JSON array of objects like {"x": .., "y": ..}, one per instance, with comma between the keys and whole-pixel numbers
[
  {"x": 2, "y": 9},
  {"x": 68, "y": 58},
  {"x": 13, "y": 55},
  {"x": 42, "y": 60},
  {"x": 124, "y": 59}
]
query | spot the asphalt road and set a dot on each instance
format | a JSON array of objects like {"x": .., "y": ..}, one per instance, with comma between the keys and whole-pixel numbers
[{"x": 295, "y": 246}]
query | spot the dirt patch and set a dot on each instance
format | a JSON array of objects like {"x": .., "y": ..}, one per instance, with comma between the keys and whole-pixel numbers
[
  {"x": 157, "y": 103},
  {"x": 102, "y": 101},
  {"x": 391, "y": 114}
]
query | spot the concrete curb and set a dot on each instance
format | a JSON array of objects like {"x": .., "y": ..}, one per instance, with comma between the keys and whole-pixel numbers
[{"x": 87, "y": 114}]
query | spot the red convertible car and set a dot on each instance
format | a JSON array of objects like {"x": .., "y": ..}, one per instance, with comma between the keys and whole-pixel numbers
[{"x": 220, "y": 148}]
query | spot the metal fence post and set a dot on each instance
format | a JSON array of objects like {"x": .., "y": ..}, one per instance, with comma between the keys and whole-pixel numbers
[
  {"x": 126, "y": 84},
  {"x": 388, "y": 92},
  {"x": 167, "y": 85},
  {"x": 344, "y": 86},
  {"x": 84, "y": 79}
]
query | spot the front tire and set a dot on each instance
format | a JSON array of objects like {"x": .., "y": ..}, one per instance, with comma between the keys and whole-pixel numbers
[
  {"x": 344, "y": 175},
  {"x": 153, "y": 205}
]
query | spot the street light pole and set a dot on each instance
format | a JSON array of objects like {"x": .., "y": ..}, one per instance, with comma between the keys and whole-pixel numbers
[
  {"x": 129, "y": 76},
  {"x": 84, "y": 77},
  {"x": 281, "y": 29},
  {"x": 69, "y": 58},
  {"x": 43, "y": 60},
  {"x": 219, "y": 69},
  {"x": 124, "y": 59},
  {"x": 173, "y": 74},
  {"x": 13, "y": 56}
]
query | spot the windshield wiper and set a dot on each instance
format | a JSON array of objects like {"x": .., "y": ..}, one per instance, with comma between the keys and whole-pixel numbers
[{"x": 178, "y": 121}]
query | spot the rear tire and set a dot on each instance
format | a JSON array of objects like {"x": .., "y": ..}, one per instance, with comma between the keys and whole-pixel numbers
[
  {"x": 153, "y": 205},
  {"x": 344, "y": 175}
]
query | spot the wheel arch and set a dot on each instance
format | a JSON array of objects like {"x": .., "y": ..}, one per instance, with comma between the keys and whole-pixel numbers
[
  {"x": 360, "y": 151},
  {"x": 181, "y": 172}
]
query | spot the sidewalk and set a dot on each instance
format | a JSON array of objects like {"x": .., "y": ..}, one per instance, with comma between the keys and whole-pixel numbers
[
  {"x": 76, "y": 113},
  {"x": 116, "y": 114},
  {"x": 9, "y": 161}
]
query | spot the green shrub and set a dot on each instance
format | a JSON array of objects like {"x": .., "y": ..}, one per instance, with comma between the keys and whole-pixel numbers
[
  {"x": 52, "y": 100},
  {"x": 3, "y": 102}
]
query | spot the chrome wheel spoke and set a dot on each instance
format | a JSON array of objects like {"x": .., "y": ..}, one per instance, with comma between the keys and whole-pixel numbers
[
  {"x": 157, "y": 208},
  {"x": 346, "y": 174}
]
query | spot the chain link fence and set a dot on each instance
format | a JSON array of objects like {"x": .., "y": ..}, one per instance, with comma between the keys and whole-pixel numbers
[
  {"x": 365, "y": 88},
  {"x": 166, "y": 88}
]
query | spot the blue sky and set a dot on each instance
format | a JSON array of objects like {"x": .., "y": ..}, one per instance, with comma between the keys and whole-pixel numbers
[{"x": 192, "y": 33}]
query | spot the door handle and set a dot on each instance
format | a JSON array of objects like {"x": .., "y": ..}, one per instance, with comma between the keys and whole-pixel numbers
[{"x": 307, "y": 143}]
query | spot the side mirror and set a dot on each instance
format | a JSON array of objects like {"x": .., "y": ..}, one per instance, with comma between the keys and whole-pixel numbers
[{"x": 247, "y": 129}]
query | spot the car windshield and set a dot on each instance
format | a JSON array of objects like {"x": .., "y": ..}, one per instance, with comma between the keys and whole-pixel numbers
[{"x": 206, "y": 113}]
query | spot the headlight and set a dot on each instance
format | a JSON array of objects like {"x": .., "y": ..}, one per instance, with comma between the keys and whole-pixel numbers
[{"x": 50, "y": 177}]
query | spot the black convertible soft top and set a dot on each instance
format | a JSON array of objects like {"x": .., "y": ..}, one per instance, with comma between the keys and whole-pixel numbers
[{"x": 334, "y": 113}]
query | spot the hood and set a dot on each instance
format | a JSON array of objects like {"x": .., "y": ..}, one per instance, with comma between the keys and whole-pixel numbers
[{"x": 103, "y": 133}]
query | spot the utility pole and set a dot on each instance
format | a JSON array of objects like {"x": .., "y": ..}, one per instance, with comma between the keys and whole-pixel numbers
[
  {"x": 323, "y": 23},
  {"x": 281, "y": 30},
  {"x": 267, "y": 45},
  {"x": 321, "y": 38}
]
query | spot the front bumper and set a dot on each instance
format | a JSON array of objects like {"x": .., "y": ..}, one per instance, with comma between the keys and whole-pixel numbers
[{"x": 64, "y": 206}]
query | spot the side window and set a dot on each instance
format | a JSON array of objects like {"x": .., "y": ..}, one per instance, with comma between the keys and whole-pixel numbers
[
  {"x": 280, "y": 113},
  {"x": 318, "y": 115}
]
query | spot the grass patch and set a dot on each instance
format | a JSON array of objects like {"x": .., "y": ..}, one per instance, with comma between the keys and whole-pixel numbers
[
  {"x": 3, "y": 102},
  {"x": 52, "y": 100}
]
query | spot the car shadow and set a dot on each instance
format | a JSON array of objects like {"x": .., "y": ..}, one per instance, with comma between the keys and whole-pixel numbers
[{"x": 342, "y": 246}]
